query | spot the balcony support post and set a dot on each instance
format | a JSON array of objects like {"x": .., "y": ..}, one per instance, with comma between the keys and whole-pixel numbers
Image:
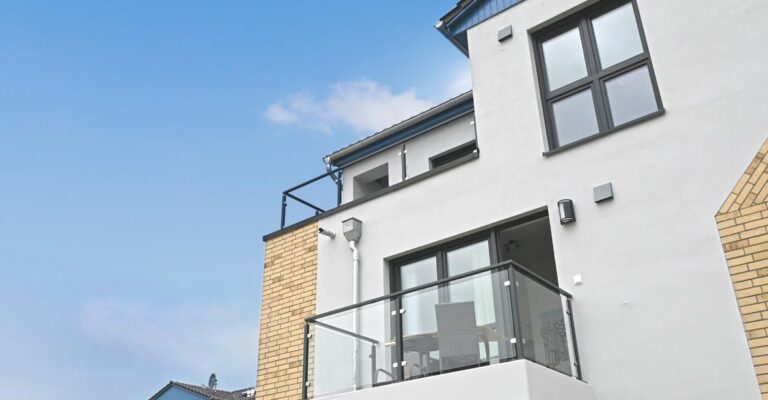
[
  {"x": 305, "y": 367},
  {"x": 576, "y": 361},
  {"x": 283, "y": 205},
  {"x": 339, "y": 187},
  {"x": 517, "y": 327}
]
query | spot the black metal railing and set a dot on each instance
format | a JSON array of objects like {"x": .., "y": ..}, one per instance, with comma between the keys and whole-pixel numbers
[
  {"x": 334, "y": 174},
  {"x": 495, "y": 314}
]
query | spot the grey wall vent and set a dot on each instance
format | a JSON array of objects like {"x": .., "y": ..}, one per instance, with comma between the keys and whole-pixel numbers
[
  {"x": 505, "y": 33},
  {"x": 603, "y": 192}
]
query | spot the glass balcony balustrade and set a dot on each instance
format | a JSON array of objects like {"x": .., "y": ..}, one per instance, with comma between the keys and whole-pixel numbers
[{"x": 482, "y": 317}]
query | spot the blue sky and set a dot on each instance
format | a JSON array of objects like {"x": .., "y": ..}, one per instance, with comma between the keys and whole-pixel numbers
[{"x": 143, "y": 147}]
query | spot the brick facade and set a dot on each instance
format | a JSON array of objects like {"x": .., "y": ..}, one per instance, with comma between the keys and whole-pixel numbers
[
  {"x": 743, "y": 225},
  {"x": 290, "y": 274}
]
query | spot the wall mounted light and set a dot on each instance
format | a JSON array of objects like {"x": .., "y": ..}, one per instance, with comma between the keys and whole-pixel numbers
[
  {"x": 565, "y": 208},
  {"x": 326, "y": 232}
]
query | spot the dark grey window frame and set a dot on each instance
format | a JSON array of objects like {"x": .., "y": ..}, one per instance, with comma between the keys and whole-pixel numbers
[
  {"x": 440, "y": 253},
  {"x": 596, "y": 77},
  {"x": 455, "y": 153}
]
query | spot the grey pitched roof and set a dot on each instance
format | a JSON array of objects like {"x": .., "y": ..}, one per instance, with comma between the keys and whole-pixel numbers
[
  {"x": 208, "y": 393},
  {"x": 398, "y": 126},
  {"x": 456, "y": 10},
  {"x": 213, "y": 394}
]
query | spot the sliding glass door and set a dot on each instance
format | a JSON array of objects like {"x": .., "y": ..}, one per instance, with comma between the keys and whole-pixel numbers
[
  {"x": 461, "y": 323},
  {"x": 454, "y": 325}
]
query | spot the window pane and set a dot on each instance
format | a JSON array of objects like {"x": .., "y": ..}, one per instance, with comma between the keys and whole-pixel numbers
[
  {"x": 631, "y": 95},
  {"x": 418, "y": 273},
  {"x": 575, "y": 117},
  {"x": 467, "y": 258},
  {"x": 419, "y": 321},
  {"x": 617, "y": 35},
  {"x": 564, "y": 59}
]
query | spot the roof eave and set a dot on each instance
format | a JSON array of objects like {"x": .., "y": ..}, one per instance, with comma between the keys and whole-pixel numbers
[
  {"x": 451, "y": 38},
  {"x": 329, "y": 159}
]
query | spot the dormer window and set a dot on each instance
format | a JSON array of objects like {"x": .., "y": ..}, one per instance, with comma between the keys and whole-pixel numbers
[{"x": 595, "y": 74}]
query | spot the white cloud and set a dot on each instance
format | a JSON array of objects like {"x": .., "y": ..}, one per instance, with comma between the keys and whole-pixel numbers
[
  {"x": 197, "y": 339},
  {"x": 461, "y": 81},
  {"x": 277, "y": 113},
  {"x": 364, "y": 105}
]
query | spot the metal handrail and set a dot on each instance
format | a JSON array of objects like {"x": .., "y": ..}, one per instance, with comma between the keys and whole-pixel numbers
[
  {"x": 502, "y": 265},
  {"x": 347, "y": 333},
  {"x": 335, "y": 174}
]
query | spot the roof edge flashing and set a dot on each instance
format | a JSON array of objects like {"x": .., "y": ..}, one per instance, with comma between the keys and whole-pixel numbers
[{"x": 342, "y": 156}]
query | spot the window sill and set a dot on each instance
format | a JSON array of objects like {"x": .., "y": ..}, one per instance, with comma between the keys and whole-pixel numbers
[{"x": 604, "y": 133}]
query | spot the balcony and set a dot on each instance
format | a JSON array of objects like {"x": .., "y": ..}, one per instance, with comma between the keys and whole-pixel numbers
[{"x": 488, "y": 317}]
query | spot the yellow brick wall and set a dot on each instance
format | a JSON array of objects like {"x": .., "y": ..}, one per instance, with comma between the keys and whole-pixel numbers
[
  {"x": 290, "y": 273},
  {"x": 743, "y": 225}
]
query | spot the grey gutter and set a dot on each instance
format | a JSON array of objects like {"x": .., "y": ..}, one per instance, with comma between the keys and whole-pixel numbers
[{"x": 397, "y": 127}]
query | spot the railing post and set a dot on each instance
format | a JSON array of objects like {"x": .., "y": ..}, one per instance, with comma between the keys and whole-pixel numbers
[
  {"x": 516, "y": 324},
  {"x": 576, "y": 361},
  {"x": 403, "y": 162},
  {"x": 305, "y": 365},
  {"x": 284, "y": 204},
  {"x": 373, "y": 364},
  {"x": 399, "y": 371}
]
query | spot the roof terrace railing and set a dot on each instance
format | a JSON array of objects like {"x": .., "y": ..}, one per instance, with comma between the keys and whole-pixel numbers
[
  {"x": 335, "y": 174},
  {"x": 495, "y": 314}
]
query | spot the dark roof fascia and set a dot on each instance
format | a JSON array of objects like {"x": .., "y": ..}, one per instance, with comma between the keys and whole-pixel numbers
[
  {"x": 457, "y": 11},
  {"x": 459, "y": 45},
  {"x": 409, "y": 132},
  {"x": 161, "y": 391},
  {"x": 454, "y": 15}
]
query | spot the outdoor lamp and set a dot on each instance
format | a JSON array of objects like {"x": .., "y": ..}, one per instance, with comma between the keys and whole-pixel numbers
[{"x": 565, "y": 208}]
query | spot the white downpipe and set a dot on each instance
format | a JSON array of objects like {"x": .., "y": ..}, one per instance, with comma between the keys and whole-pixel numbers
[{"x": 355, "y": 300}]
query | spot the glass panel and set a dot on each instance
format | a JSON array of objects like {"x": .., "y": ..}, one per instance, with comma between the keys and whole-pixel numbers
[
  {"x": 575, "y": 117},
  {"x": 352, "y": 350},
  {"x": 420, "y": 306},
  {"x": 467, "y": 258},
  {"x": 631, "y": 95},
  {"x": 418, "y": 273},
  {"x": 530, "y": 245},
  {"x": 564, "y": 59},
  {"x": 546, "y": 339},
  {"x": 617, "y": 35},
  {"x": 420, "y": 350},
  {"x": 451, "y": 334}
]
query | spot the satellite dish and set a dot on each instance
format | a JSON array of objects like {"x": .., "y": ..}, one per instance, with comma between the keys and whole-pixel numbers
[{"x": 212, "y": 381}]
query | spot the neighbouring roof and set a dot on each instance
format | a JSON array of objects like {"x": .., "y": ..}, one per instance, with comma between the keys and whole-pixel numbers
[
  {"x": 403, "y": 130},
  {"x": 466, "y": 14},
  {"x": 211, "y": 394}
]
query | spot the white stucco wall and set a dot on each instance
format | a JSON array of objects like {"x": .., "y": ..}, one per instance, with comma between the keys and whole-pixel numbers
[
  {"x": 656, "y": 316},
  {"x": 418, "y": 150}
]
